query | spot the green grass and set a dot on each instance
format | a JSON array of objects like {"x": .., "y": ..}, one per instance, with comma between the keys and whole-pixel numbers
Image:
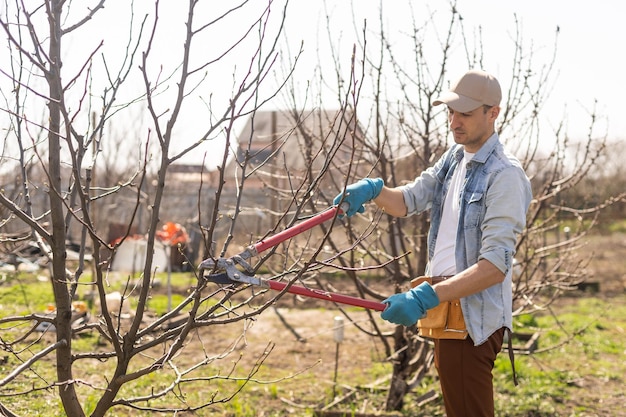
[
  {"x": 23, "y": 294},
  {"x": 577, "y": 369},
  {"x": 582, "y": 345}
]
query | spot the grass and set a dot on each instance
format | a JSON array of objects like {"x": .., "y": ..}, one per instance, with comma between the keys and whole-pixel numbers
[
  {"x": 578, "y": 369},
  {"x": 24, "y": 296}
]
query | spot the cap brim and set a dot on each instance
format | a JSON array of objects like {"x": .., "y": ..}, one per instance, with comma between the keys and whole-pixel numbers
[{"x": 457, "y": 102}]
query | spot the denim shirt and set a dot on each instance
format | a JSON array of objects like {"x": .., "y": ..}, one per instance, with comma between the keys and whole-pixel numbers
[{"x": 494, "y": 201}]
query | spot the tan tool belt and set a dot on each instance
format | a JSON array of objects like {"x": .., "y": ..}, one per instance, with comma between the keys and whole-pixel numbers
[{"x": 444, "y": 321}]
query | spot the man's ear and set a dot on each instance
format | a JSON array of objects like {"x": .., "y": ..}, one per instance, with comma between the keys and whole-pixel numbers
[{"x": 495, "y": 111}]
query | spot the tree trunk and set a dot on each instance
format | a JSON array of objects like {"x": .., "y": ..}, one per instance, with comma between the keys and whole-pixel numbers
[{"x": 59, "y": 277}]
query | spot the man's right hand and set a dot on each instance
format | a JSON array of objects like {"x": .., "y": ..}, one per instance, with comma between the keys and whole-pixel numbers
[
  {"x": 360, "y": 193},
  {"x": 408, "y": 307}
]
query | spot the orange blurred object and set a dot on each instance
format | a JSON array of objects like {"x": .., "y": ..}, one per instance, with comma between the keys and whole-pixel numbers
[{"x": 173, "y": 233}]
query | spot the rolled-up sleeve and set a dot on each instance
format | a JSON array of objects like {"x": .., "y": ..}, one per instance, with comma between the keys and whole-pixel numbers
[{"x": 507, "y": 202}]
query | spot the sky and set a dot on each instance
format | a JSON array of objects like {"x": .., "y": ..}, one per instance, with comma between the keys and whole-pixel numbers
[
  {"x": 588, "y": 68},
  {"x": 590, "y": 54}
]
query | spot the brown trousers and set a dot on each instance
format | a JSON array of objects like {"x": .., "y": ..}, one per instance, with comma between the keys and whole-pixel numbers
[{"x": 465, "y": 375}]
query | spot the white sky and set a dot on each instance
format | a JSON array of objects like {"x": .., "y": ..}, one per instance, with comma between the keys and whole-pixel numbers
[
  {"x": 589, "y": 61},
  {"x": 589, "y": 65},
  {"x": 590, "y": 55},
  {"x": 590, "y": 52}
]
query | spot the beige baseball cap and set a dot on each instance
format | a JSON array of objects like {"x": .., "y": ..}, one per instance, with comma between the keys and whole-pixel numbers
[{"x": 474, "y": 89}]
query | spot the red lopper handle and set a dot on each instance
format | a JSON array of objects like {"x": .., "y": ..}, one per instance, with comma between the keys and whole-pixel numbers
[
  {"x": 328, "y": 296},
  {"x": 272, "y": 241}
]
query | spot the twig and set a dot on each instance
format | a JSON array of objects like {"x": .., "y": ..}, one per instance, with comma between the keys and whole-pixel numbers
[
  {"x": 424, "y": 399},
  {"x": 5, "y": 412},
  {"x": 289, "y": 327},
  {"x": 341, "y": 399},
  {"x": 31, "y": 361}
]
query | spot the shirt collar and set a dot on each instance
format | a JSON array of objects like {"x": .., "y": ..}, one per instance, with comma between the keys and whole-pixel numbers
[{"x": 487, "y": 148}]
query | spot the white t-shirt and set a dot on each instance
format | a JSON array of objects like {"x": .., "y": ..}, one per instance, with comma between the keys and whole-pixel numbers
[{"x": 443, "y": 261}]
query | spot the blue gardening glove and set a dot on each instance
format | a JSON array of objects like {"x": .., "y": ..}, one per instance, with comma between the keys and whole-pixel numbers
[
  {"x": 360, "y": 193},
  {"x": 408, "y": 307}
]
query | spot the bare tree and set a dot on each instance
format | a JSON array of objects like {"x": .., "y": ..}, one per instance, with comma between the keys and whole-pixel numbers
[
  {"x": 69, "y": 156},
  {"x": 405, "y": 134}
]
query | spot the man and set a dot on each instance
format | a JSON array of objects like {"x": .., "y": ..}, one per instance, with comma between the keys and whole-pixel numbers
[{"x": 478, "y": 195}]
